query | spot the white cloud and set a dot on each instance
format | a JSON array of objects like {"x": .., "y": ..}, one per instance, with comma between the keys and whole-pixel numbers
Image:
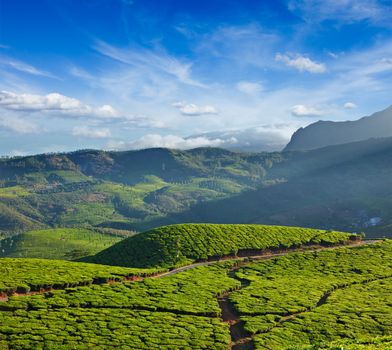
[
  {"x": 250, "y": 88},
  {"x": 345, "y": 11},
  {"x": 350, "y": 105},
  {"x": 269, "y": 137},
  {"x": 301, "y": 63},
  {"x": 54, "y": 102},
  {"x": 190, "y": 109},
  {"x": 305, "y": 111},
  {"x": 23, "y": 67},
  {"x": 18, "y": 125},
  {"x": 151, "y": 60},
  {"x": 169, "y": 141},
  {"x": 86, "y": 131}
]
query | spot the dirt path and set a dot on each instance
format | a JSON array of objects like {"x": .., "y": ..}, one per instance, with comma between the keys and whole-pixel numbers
[
  {"x": 240, "y": 338},
  {"x": 266, "y": 255}
]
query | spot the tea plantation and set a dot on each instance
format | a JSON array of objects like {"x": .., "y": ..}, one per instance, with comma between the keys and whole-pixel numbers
[
  {"x": 180, "y": 244},
  {"x": 315, "y": 298},
  {"x": 24, "y": 275},
  {"x": 327, "y": 299},
  {"x": 60, "y": 243}
]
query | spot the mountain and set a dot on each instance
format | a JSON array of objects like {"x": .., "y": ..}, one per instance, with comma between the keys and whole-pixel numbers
[
  {"x": 120, "y": 190},
  {"x": 344, "y": 187},
  {"x": 327, "y": 133}
]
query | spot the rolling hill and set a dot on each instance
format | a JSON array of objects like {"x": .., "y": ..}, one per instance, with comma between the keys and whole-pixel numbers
[
  {"x": 119, "y": 189},
  {"x": 64, "y": 244},
  {"x": 180, "y": 244},
  {"x": 327, "y": 133}
]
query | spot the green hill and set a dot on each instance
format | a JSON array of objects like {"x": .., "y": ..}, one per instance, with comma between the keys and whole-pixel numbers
[
  {"x": 25, "y": 275},
  {"x": 121, "y": 190},
  {"x": 62, "y": 243},
  {"x": 178, "y": 244}
]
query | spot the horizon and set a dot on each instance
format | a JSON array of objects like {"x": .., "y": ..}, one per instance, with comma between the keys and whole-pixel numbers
[{"x": 127, "y": 75}]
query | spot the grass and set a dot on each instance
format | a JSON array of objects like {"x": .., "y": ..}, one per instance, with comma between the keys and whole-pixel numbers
[
  {"x": 178, "y": 244},
  {"x": 60, "y": 243}
]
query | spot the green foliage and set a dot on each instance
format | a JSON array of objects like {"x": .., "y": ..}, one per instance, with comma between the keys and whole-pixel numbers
[
  {"x": 315, "y": 298},
  {"x": 68, "y": 244},
  {"x": 33, "y": 274},
  {"x": 103, "y": 329},
  {"x": 127, "y": 190},
  {"x": 174, "y": 312},
  {"x": 191, "y": 292},
  {"x": 178, "y": 244},
  {"x": 13, "y": 192}
]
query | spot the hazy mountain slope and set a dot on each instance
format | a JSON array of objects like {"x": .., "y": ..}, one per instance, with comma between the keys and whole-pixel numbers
[
  {"x": 120, "y": 189},
  {"x": 338, "y": 187},
  {"x": 326, "y": 133}
]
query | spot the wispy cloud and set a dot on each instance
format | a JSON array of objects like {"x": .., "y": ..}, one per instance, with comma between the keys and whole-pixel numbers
[
  {"x": 23, "y": 67},
  {"x": 168, "y": 141},
  {"x": 345, "y": 11},
  {"x": 301, "y": 63},
  {"x": 190, "y": 109},
  {"x": 86, "y": 131},
  {"x": 18, "y": 125},
  {"x": 147, "y": 59},
  {"x": 249, "y": 87}
]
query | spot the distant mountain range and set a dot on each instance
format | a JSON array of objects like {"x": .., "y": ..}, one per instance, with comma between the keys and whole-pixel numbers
[
  {"x": 345, "y": 187},
  {"x": 327, "y": 133}
]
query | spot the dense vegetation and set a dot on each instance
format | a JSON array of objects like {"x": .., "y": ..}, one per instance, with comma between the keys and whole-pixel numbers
[
  {"x": 315, "y": 298},
  {"x": 339, "y": 187},
  {"x": 175, "y": 312},
  {"x": 119, "y": 189},
  {"x": 24, "y": 275},
  {"x": 179, "y": 244},
  {"x": 64, "y": 244}
]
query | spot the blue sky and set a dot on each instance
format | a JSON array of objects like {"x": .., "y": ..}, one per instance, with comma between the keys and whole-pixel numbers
[{"x": 128, "y": 74}]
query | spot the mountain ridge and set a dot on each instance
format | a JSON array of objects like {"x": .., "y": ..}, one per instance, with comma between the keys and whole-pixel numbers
[{"x": 327, "y": 133}]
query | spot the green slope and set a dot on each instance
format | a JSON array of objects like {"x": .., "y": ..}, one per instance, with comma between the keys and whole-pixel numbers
[
  {"x": 178, "y": 244},
  {"x": 61, "y": 243},
  {"x": 121, "y": 190},
  {"x": 25, "y": 275}
]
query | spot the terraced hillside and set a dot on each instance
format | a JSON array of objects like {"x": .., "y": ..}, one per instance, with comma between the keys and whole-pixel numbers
[
  {"x": 279, "y": 305},
  {"x": 64, "y": 244},
  {"x": 185, "y": 243}
]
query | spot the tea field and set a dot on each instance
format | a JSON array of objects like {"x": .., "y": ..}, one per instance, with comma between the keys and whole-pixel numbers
[
  {"x": 315, "y": 298},
  {"x": 326, "y": 299},
  {"x": 181, "y": 244},
  {"x": 25, "y": 275},
  {"x": 60, "y": 243}
]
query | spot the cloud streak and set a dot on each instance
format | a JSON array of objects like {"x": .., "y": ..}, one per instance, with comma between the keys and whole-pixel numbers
[
  {"x": 190, "y": 109},
  {"x": 168, "y": 141}
]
